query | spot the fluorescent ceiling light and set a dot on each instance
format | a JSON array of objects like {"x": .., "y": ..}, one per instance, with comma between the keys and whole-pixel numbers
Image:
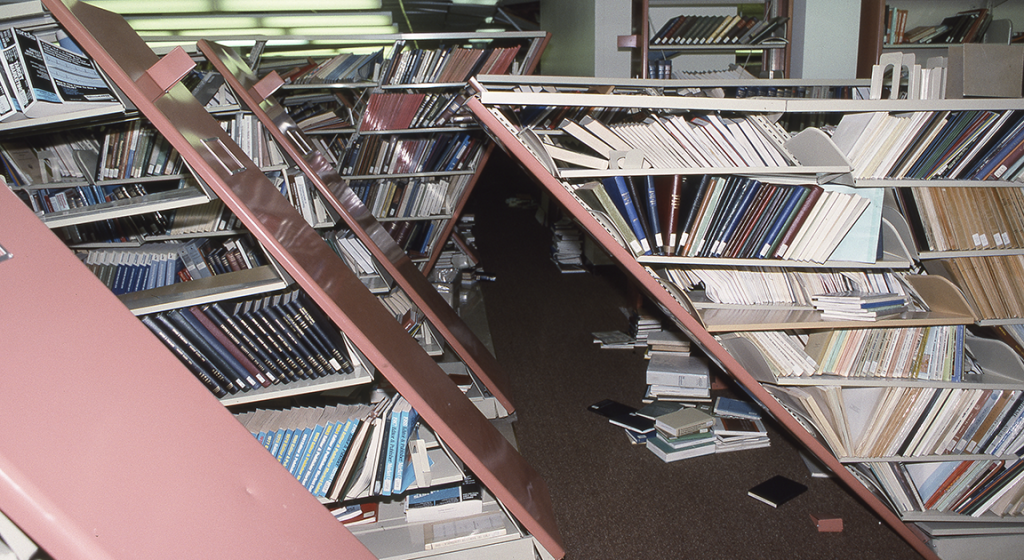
[
  {"x": 181, "y": 23},
  {"x": 327, "y": 20},
  {"x": 335, "y": 31},
  {"x": 128, "y": 7},
  {"x": 477, "y": 2}
]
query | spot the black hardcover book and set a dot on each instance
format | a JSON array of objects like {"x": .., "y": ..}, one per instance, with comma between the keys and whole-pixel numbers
[
  {"x": 748, "y": 191},
  {"x": 257, "y": 332},
  {"x": 300, "y": 345},
  {"x": 194, "y": 353},
  {"x": 725, "y": 204},
  {"x": 260, "y": 317},
  {"x": 254, "y": 350},
  {"x": 322, "y": 329},
  {"x": 690, "y": 206},
  {"x": 246, "y": 357},
  {"x": 777, "y": 490},
  {"x": 201, "y": 373},
  {"x": 776, "y": 213},
  {"x": 212, "y": 349},
  {"x": 751, "y": 218}
]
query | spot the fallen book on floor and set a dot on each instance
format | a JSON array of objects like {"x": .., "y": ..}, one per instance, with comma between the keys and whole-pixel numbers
[
  {"x": 726, "y": 406},
  {"x": 684, "y": 421},
  {"x": 777, "y": 490}
]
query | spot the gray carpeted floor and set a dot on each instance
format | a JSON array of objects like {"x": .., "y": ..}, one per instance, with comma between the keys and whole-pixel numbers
[{"x": 612, "y": 499}]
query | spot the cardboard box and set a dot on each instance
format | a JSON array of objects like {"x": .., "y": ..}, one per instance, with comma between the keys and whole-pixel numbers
[{"x": 985, "y": 70}]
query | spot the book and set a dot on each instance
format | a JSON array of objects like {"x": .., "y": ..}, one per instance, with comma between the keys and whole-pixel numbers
[
  {"x": 622, "y": 415},
  {"x": 666, "y": 452},
  {"x": 449, "y": 502},
  {"x": 777, "y": 490},
  {"x": 684, "y": 421}
]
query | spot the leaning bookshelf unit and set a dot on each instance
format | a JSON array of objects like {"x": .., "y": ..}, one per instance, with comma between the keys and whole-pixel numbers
[
  {"x": 703, "y": 294},
  {"x": 395, "y": 130},
  {"x": 325, "y": 319}
]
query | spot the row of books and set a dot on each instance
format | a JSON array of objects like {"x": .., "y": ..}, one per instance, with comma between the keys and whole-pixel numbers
[
  {"x": 248, "y": 132},
  {"x": 968, "y": 488},
  {"x": 932, "y": 421},
  {"x": 445, "y": 65},
  {"x": 51, "y": 200},
  {"x": 38, "y": 160},
  {"x": 410, "y": 198},
  {"x": 307, "y": 200},
  {"x": 132, "y": 269},
  {"x": 964, "y": 218},
  {"x": 967, "y": 26},
  {"x": 926, "y": 353},
  {"x": 134, "y": 150},
  {"x": 40, "y": 78},
  {"x": 672, "y": 142},
  {"x": 210, "y": 217},
  {"x": 753, "y": 286},
  {"x": 990, "y": 283},
  {"x": 727, "y": 217},
  {"x": 344, "y": 67},
  {"x": 973, "y": 144},
  {"x": 310, "y": 442},
  {"x": 249, "y": 344},
  {"x": 416, "y": 237},
  {"x": 803, "y": 92},
  {"x": 717, "y": 30},
  {"x": 402, "y": 111},
  {"x": 389, "y": 155}
]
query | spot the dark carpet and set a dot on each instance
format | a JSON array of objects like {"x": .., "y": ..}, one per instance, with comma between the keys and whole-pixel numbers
[{"x": 613, "y": 499}]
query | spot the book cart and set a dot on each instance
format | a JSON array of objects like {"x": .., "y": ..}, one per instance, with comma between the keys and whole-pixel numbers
[
  {"x": 373, "y": 337},
  {"x": 723, "y": 329}
]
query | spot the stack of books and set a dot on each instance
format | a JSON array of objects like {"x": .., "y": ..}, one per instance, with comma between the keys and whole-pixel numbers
[
  {"x": 642, "y": 324},
  {"x": 860, "y": 306},
  {"x": 682, "y": 433},
  {"x": 737, "y": 426},
  {"x": 567, "y": 246},
  {"x": 677, "y": 376},
  {"x": 734, "y": 434}
]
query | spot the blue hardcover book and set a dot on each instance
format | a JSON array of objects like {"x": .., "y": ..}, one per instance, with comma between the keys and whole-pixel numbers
[
  {"x": 619, "y": 193},
  {"x": 958, "y": 355},
  {"x": 324, "y": 446},
  {"x": 278, "y": 443},
  {"x": 287, "y": 435},
  {"x": 312, "y": 453},
  {"x": 300, "y": 436},
  {"x": 409, "y": 418},
  {"x": 781, "y": 220},
  {"x": 736, "y": 214},
  {"x": 652, "y": 212},
  {"x": 343, "y": 437},
  {"x": 395, "y": 428},
  {"x": 998, "y": 152}
]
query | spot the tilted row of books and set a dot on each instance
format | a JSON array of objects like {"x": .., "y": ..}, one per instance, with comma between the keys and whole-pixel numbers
[
  {"x": 131, "y": 269},
  {"x": 970, "y": 144},
  {"x": 416, "y": 237},
  {"x": 445, "y": 65},
  {"x": 968, "y": 26},
  {"x": 717, "y": 30},
  {"x": 400, "y": 111},
  {"x": 249, "y": 344},
  {"x": 969, "y": 488},
  {"x": 964, "y": 218},
  {"x": 410, "y": 198},
  {"x": 389, "y": 155},
  {"x": 989, "y": 283},
  {"x": 671, "y": 142},
  {"x": 343, "y": 67}
]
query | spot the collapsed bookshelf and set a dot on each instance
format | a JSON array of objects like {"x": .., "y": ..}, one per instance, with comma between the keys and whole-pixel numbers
[
  {"x": 723, "y": 297},
  {"x": 295, "y": 267}
]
